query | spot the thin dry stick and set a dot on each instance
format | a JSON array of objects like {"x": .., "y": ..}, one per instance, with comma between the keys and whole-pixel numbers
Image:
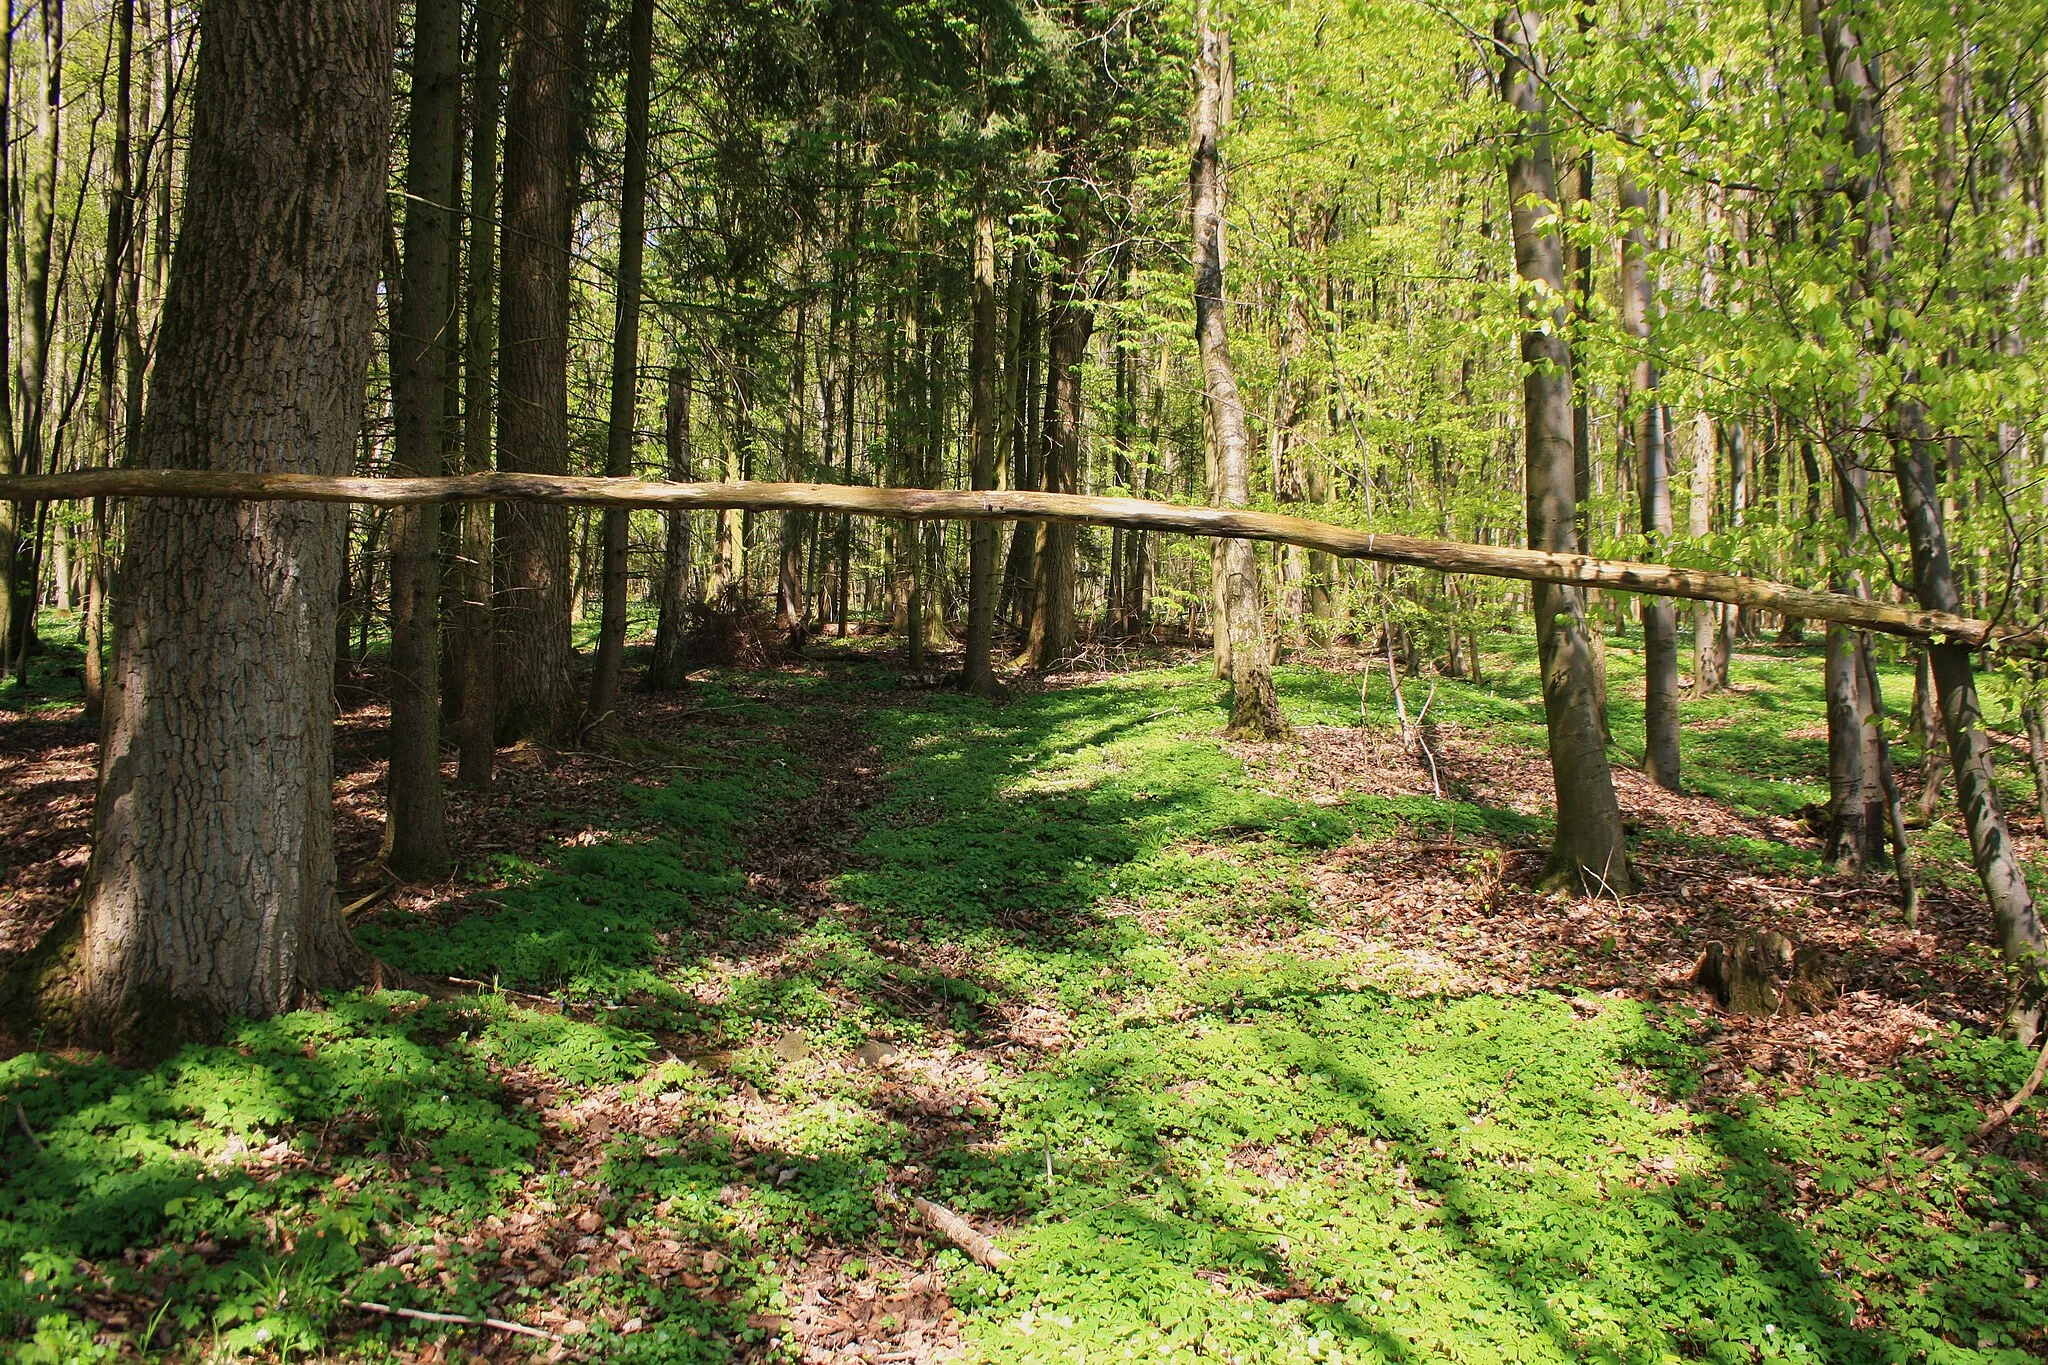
[
  {"x": 457, "y": 1319},
  {"x": 22, "y": 1118}
]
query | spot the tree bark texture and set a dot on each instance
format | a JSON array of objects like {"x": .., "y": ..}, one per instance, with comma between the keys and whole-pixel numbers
[
  {"x": 211, "y": 892},
  {"x": 1069, "y": 325},
  {"x": 415, "y": 831},
  {"x": 473, "y": 653},
  {"x": 534, "y": 692},
  {"x": 619, "y": 431},
  {"x": 1589, "y": 851}
]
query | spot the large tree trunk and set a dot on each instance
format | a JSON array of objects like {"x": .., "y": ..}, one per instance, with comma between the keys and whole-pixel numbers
[
  {"x": 415, "y": 832},
  {"x": 978, "y": 670},
  {"x": 1071, "y": 322},
  {"x": 473, "y": 652},
  {"x": 534, "y": 692},
  {"x": 1653, "y": 454},
  {"x": 625, "y": 406},
  {"x": 666, "y": 672},
  {"x": 1589, "y": 851},
  {"x": 211, "y": 892},
  {"x": 1255, "y": 707},
  {"x": 2020, "y": 936}
]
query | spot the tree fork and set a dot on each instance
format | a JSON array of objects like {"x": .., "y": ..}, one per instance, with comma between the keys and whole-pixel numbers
[{"x": 1448, "y": 556}]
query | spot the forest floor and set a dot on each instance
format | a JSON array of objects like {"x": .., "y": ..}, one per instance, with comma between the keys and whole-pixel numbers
[{"x": 1246, "y": 1053}]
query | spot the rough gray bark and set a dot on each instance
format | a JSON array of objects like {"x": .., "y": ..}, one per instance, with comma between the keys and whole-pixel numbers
[
  {"x": 1255, "y": 706},
  {"x": 666, "y": 671},
  {"x": 1653, "y": 455},
  {"x": 473, "y": 647},
  {"x": 211, "y": 892},
  {"x": 415, "y": 830},
  {"x": 611, "y": 636},
  {"x": 534, "y": 693},
  {"x": 1589, "y": 851}
]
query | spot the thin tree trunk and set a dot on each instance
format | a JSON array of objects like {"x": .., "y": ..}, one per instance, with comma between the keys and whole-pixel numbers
[
  {"x": 473, "y": 655},
  {"x": 667, "y": 670},
  {"x": 1255, "y": 706},
  {"x": 978, "y": 669},
  {"x": 1589, "y": 851},
  {"x": 415, "y": 830},
  {"x": 533, "y": 584},
  {"x": 211, "y": 892},
  {"x": 117, "y": 323},
  {"x": 625, "y": 406},
  {"x": 38, "y": 228},
  {"x": 1653, "y": 454},
  {"x": 1050, "y": 635}
]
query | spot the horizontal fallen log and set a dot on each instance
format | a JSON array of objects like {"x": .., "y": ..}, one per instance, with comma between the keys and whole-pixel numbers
[{"x": 1494, "y": 561}]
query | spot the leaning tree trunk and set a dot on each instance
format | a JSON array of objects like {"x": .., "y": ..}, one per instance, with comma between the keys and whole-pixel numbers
[
  {"x": 211, "y": 891},
  {"x": 415, "y": 831},
  {"x": 2018, "y": 924},
  {"x": 473, "y": 652},
  {"x": 1255, "y": 707},
  {"x": 670, "y": 664},
  {"x": 1589, "y": 850},
  {"x": 534, "y": 694},
  {"x": 618, "y": 464},
  {"x": 1653, "y": 453}
]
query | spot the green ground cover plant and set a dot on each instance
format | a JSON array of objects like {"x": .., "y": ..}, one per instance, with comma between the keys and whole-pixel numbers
[{"x": 1116, "y": 1019}]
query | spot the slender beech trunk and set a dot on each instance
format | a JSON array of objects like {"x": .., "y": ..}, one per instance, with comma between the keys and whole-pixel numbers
[
  {"x": 1653, "y": 454},
  {"x": 667, "y": 670},
  {"x": 978, "y": 669},
  {"x": 535, "y": 699},
  {"x": 1255, "y": 706},
  {"x": 625, "y": 395},
  {"x": 211, "y": 891},
  {"x": 1589, "y": 851},
  {"x": 117, "y": 322},
  {"x": 10, "y": 450},
  {"x": 2018, "y": 924},
  {"x": 1069, "y": 325},
  {"x": 38, "y": 229},
  {"x": 1014, "y": 604},
  {"x": 473, "y": 652},
  {"x": 794, "y": 528},
  {"x": 415, "y": 830}
]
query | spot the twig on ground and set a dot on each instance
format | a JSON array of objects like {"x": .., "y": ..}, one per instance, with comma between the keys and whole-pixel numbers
[
  {"x": 461, "y": 1319},
  {"x": 21, "y": 1118},
  {"x": 349, "y": 910},
  {"x": 948, "y": 1225},
  {"x": 961, "y": 1233}
]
